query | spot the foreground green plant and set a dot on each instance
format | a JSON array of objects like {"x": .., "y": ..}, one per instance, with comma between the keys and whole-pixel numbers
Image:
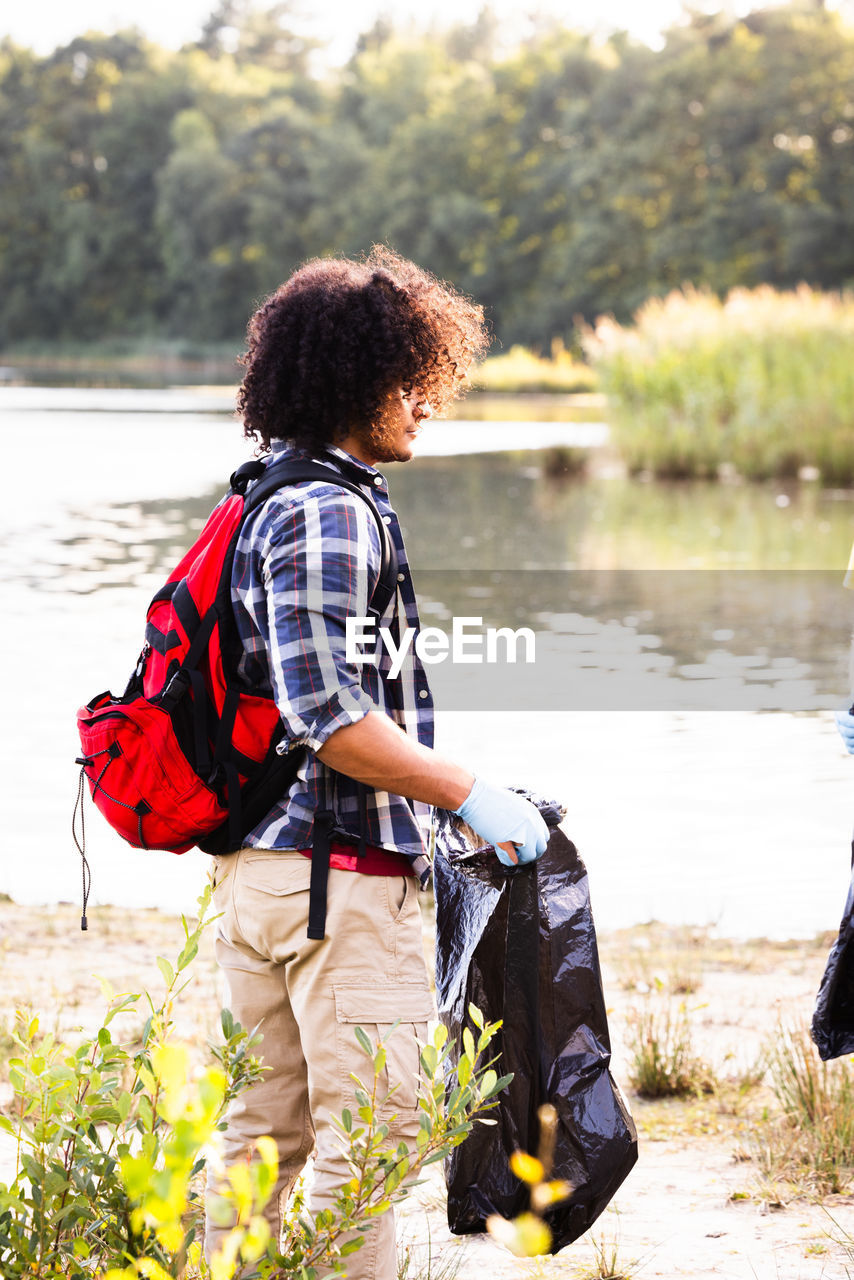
[
  {"x": 529, "y": 1235},
  {"x": 761, "y": 384},
  {"x": 810, "y": 1142},
  {"x": 381, "y": 1173},
  {"x": 113, "y": 1140},
  {"x": 87, "y": 1116}
]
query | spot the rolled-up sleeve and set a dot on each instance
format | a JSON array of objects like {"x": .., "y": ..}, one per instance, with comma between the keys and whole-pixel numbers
[{"x": 320, "y": 563}]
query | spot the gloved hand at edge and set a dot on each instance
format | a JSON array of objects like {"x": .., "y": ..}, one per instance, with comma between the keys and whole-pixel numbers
[
  {"x": 500, "y": 816},
  {"x": 845, "y": 725}
]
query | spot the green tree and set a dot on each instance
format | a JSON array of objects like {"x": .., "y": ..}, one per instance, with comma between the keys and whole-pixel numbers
[
  {"x": 256, "y": 35},
  {"x": 143, "y": 191},
  {"x": 201, "y": 220}
]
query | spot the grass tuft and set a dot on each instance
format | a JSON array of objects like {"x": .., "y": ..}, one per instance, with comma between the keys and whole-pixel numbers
[
  {"x": 424, "y": 1262},
  {"x": 809, "y": 1143},
  {"x": 841, "y": 1237},
  {"x": 607, "y": 1262},
  {"x": 664, "y": 1063}
]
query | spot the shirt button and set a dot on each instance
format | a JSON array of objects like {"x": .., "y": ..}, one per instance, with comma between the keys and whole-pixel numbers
[
  {"x": 386, "y": 519},
  {"x": 401, "y": 577},
  {"x": 378, "y": 481},
  {"x": 423, "y": 693}
]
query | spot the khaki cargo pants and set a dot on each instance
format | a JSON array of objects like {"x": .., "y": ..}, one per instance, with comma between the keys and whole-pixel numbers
[{"x": 309, "y": 997}]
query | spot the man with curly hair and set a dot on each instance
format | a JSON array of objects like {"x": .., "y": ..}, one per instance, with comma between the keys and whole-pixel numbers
[{"x": 344, "y": 362}]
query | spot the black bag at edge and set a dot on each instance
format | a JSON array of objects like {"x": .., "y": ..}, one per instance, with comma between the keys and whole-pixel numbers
[
  {"x": 520, "y": 944},
  {"x": 833, "y": 1019}
]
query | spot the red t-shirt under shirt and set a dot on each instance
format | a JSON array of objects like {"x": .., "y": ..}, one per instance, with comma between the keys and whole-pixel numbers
[{"x": 376, "y": 862}]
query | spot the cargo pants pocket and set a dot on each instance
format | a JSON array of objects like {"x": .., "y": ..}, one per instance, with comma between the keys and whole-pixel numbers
[{"x": 375, "y": 1010}]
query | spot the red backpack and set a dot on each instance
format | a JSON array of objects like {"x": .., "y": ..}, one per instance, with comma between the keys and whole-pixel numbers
[{"x": 188, "y": 755}]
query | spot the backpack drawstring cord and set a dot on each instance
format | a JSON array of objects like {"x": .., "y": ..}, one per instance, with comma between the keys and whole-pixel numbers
[{"x": 81, "y": 842}]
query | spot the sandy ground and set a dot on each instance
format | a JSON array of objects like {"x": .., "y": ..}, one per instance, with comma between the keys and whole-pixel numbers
[{"x": 693, "y": 1206}]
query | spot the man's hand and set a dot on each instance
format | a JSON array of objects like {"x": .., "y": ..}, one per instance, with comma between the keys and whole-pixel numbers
[
  {"x": 377, "y": 752},
  {"x": 504, "y": 818},
  {"x": 845, "y": 725}
]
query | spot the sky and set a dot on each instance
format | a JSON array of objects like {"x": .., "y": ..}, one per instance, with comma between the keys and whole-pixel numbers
[{"x": 43, "y": 24}]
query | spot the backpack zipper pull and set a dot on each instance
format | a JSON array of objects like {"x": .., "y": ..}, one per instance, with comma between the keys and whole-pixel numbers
[{"x": 142, "y": 660}]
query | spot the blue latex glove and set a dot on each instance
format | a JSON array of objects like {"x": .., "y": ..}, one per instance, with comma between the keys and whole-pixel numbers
[
  {"x": 500, "y": 816},
  {"x": 845, "y": 725}
]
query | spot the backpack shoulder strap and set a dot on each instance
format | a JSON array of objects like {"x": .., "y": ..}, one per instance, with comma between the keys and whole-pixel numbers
[{"x": 277, "y": 475}]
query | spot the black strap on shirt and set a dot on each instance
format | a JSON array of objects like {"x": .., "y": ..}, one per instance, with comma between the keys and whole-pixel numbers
[
  {"x": 277, "y": 475},
  {"x": 268, "y": 479},
  {"x": 321, "y": 848}
]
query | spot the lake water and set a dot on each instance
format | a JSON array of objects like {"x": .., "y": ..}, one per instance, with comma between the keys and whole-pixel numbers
[{"x": 691, "y": 640}]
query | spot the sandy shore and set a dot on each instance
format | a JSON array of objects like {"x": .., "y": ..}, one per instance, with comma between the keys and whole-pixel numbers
[{"x": 695, "y": 1205}]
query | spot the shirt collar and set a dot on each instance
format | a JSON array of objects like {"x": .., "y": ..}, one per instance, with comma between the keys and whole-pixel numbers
[{"x": 357, "y": 470}]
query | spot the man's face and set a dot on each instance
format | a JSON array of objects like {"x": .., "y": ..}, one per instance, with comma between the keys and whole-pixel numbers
[{"x": 393, "y": 438}]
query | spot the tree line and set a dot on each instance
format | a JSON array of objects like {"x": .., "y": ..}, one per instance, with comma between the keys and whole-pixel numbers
[{"x": 147, "y": 192}]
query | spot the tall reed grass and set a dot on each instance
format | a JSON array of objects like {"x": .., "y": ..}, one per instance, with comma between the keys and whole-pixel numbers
[
  {"x": 811, "y": 1142},
  {"x": 521, "y": 371},
  {"x": 761, "y": 383}
]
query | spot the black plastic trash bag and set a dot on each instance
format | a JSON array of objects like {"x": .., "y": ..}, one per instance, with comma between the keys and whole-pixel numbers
[
  {"x": 833, "y": 1019},
  {"x": 520, "y": 944}
]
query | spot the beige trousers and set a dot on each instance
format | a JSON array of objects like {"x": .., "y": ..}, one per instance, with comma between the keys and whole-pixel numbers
[{"x": 309, "y": 997}]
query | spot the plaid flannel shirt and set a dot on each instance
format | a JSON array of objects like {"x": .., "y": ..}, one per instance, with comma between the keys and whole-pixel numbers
[{"x": 305, "y": 561}]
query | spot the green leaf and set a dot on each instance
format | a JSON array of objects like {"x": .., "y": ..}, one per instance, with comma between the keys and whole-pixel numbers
[
  {"x": 429, "y": 1060},
  {"x": 166, "y": 969},
  {"x": 364, "y": 1042},
  {"x": 347, "y": 1120},
  {"x": 488, "y": 1083},
  {"x": 476, "y": 1016},
  {"x": 191, "y": 950},
  {"x": 146, "y": 1114},
  {"x": 350, "y": 1246},
  {"x": 433, "y": 1157},
  {"x": 453, "y": 1102}
]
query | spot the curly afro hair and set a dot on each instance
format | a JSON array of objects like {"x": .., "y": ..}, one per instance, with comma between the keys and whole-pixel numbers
[{"x": 329, "y": 351}]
